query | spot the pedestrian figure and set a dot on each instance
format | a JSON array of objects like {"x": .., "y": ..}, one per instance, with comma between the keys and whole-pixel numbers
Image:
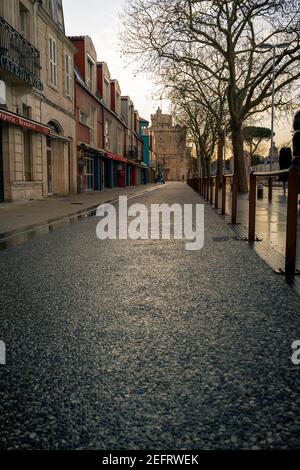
[
  {"x": 296, "y": 143},
  {"x": 296, "y": 140},
  {"x": 285, "y": 162}
]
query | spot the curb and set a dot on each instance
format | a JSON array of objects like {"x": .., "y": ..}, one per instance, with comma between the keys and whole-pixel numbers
[{"x": 18, "y": 236}]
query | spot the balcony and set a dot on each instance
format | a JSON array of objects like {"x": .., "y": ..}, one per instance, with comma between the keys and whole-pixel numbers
[
  {"x": 132, "y": 154},
  {"x": 19, "y": 60}
]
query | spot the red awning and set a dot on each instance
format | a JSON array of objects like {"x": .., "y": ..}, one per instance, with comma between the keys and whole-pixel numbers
[
  {"x": 19, "y": 121},
  {"x": 116, "y": 157}
]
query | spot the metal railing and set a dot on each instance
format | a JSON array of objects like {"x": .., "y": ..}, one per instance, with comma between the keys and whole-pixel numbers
[
  {"x": 15, "y": 46},
  {"x": 292, "y": 212},
  {"x": 208, "y": 188},
  {"x": 205, "y": 185}
]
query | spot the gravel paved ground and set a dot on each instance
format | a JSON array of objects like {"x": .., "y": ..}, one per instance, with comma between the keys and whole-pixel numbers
[{"x": 143, "y": 345}]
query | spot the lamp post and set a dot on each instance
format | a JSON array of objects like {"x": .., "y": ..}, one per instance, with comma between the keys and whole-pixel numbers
[{"x": 273, "y": 47}]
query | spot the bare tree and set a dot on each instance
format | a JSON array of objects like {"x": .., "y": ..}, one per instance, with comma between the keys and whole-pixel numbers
[
  {"x": 200, "y": 124},
  {"x": 210, "y": 95},
  {"x": 205, "y": 34}
]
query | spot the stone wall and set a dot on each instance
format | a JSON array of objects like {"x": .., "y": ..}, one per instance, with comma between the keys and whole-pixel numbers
[{"x": 170, "y": 147}]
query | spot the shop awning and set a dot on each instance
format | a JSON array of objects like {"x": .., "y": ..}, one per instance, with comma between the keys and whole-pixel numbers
[
  {"x": 132, "y": 162},
  {"x": 116, "y": 157},
  {"x": 16, "y": 120},
  {"x": 92, "y": 150}
]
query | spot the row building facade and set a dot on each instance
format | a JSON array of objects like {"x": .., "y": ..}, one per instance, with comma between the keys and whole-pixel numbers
[{"x": 64, "y": 125}]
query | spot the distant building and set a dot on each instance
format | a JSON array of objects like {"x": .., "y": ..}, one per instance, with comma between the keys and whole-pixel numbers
[
  {"x": 149, "y": 161},
  {"x": 170, "y": 147}
]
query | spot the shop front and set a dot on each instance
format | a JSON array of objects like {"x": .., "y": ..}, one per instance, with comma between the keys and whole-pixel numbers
[
  {"x": 118, "y": 175},
  {"x": 91, "y": 170},
  {"x": 143, "y": 174},
  {"x": 133, "y": 174},
  {"x": 21, "y": 143}
]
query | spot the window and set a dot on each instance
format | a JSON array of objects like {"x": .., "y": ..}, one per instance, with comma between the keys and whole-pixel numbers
[
  {"x": 93, "y": 119},
  {"x": 26, "y": 111},
  {"x": 89, "y": 172},
  {"x": 27, "y": 149},
  {"x": 52, "y": 62},
  {"x": 60, "y": 16},
  {"x": 106, "y": 91},
  {"x": 90, "y": 73},
  {"x": 107, "y": 134},
  {"x": 27, "y": 144},
  {"x": 119, "y": 142},
  {"x": 68, "y": 75},
  {"x": 23, "y": 12},
  {"x": 83, "y": 118},
  {"x": 118, "y": 103}
]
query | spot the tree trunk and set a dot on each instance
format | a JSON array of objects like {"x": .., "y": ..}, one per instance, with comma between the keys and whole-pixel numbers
[
  {"x": 239, "y": 157},
  {"x": 221, "y": 142}
]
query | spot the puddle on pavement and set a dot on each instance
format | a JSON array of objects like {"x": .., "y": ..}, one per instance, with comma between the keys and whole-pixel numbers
[{"x": 10, "y": 239}]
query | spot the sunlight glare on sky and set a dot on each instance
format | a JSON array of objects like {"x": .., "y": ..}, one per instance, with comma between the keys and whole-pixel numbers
[{"x": 99, "y": 19}]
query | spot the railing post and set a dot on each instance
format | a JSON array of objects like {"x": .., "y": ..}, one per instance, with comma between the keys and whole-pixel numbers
[
  {"x": 292, "y": 219},
  {"x": 211, "y": 189},
  {"x": 252, "y": 208},
  {"x": 235, "y": 185},
  {"x": 270, "y": 190},
  {"x": 224, "y": 196},
  {"x": 217, "y": 193}
]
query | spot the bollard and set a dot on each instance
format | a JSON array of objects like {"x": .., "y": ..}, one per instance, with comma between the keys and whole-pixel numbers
[
  {"x": 235, "y": 187},
  {"x": 224, "y": 196},
  {"x": 270, "y": 189},
  {"x": 260, "y": 191},
  {"x": 211, "y": 189},
  {"x": 217, "y": 193},
  {"x": 252, "y": 208}
]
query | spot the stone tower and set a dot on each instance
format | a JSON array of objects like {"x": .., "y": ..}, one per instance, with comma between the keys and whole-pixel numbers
[{"x": 170, "y": 147}]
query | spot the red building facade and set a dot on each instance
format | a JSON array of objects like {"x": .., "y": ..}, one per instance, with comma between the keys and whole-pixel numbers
[{"x": 109, "y": 152}]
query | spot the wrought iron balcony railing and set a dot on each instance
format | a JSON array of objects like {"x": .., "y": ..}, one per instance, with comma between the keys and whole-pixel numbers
[{"x": 18, "y": 50}]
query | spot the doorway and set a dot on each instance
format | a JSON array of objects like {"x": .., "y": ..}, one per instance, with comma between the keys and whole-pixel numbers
[
  {"x": 1, "y": 168},
  {"x": 49, "y": 166}
]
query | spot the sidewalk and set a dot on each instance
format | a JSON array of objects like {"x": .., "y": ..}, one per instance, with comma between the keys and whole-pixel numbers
[
  {"x": 270, "y": 218},
  {"x": 20, "y": 216}
]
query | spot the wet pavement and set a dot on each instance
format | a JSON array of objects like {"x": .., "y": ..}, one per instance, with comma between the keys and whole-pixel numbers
[
  {"x": 270, "y": 218},
  {"x": 144, "y": 345},
  {"x": 20, "y": 216}
]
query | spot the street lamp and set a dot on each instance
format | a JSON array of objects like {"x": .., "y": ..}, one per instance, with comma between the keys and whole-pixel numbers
[{"x": 269, "y": 46}]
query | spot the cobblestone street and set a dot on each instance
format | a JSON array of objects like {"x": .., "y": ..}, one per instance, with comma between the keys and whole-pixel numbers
[{"x": 144, "y": 345}]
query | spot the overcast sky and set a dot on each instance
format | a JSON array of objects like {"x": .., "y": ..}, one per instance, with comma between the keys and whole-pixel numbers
[{"x": 100, "y": 20}]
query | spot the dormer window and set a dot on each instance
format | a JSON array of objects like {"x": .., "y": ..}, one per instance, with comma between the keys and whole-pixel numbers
[
  {"x": 90, "y": 74},
  {"x": 23, "y": 12},
  {"x": 106, "y": 94}
]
